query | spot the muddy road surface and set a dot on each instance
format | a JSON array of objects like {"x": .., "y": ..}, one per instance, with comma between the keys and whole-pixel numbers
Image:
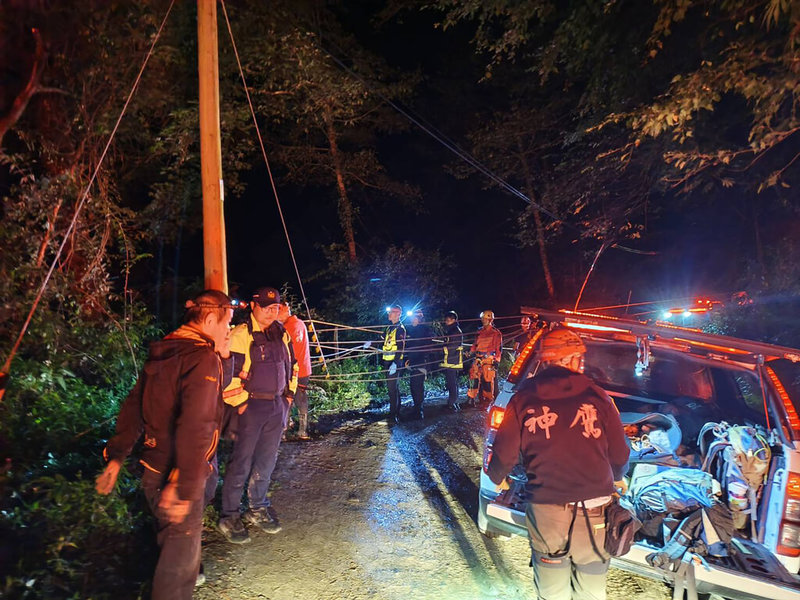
[{"x": 377, "y": 512}]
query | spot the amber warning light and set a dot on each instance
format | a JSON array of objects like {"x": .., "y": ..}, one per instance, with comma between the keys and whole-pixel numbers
[{"x": 496, "y": 417}]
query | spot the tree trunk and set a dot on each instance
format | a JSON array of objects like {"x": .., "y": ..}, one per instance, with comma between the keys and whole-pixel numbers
[
  {"x": 345, "y": 206},
  {"x": 537, "y": 218},
  {"x": 20, "y": 103}
]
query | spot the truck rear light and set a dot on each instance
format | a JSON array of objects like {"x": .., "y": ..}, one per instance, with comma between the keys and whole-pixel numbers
[
  {"x": 789, "y": 541},
  {"x": 791, "y": 413},
  {"x": 496, "y": 417},
  {"x": 487, "y": 457},
  {"x": 516, "y": 368}
]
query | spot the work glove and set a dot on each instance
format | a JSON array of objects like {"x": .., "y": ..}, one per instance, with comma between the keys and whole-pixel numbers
[{"x": 392, "y": 369}]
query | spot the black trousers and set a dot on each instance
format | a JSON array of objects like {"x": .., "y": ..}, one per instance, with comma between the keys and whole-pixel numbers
[
  {"x": 451, "y": 379},
  {"x": 179, "y": 544},
  {"x": 416, "y": 381},
  {"x": 394, "y": 393}
]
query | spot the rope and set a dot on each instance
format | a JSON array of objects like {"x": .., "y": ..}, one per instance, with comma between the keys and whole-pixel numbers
[
  {"x": 7, "y": 365},
  {"x": 271, "y": 180}
]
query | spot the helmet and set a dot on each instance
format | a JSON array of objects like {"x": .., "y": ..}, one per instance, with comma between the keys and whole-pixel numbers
[
  {"x": 489, "y": 314},
  {"x": 560, "y": 343},
  {"x": 452, "y": 314}
]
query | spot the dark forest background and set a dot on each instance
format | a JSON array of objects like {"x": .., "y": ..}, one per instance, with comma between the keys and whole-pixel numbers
[{"x": 659, "y": 138}]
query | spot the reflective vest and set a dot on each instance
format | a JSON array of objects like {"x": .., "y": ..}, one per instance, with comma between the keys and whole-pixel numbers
[
  {"x": 390, "y": 343},
  {"x": 459, "y": 354},
  {"x": 241, "y": 343}
]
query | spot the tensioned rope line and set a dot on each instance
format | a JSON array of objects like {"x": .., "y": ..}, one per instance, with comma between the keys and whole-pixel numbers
[
  {"x": 440, "y": 137},
  {"x": 85, "y": 195},
  {"x": 271, "y": 180}
]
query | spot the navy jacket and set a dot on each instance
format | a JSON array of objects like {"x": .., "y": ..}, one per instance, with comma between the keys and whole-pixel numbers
[{"x": 569, "y": 434}]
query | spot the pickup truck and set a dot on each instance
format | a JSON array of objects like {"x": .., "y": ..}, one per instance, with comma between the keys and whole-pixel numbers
[{"x": 692, "y": 378}]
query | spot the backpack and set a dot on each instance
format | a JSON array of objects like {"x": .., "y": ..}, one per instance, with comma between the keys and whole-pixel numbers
[
  {"x": 269, "y": 362},
  {"x": 739, "y": 459},
  {"x": 674, "y": 492}
]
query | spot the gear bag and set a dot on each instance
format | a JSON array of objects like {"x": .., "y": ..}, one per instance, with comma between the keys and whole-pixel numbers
[
  {"x": 674, "y": 492},
  {"x": 739, "y": 459},
  {"x": 621, "y": 527}
]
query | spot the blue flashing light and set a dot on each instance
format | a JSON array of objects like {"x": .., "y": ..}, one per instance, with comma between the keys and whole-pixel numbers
[
  {"x": 667, "y": 315},
  {"x": 686, "y": 313}
]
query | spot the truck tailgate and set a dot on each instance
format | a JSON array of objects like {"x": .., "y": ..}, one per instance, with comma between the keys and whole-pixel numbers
[{"x": 750, "y": 581}]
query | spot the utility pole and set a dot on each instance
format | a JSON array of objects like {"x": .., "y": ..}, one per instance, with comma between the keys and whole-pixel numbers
[{"x": 214, "y": 254}]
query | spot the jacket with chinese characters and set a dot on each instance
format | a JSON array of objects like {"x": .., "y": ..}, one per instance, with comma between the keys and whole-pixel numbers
[{"x": 569, "y": 434}]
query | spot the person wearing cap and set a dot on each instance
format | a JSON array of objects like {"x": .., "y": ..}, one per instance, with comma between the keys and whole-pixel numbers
[
  {"x": 176, "y": 405},
  {"x": 453, "y": 359},
  {"x": 394, "y": 346},
  {"x": 418, "y": 344},
  {"x": 299, "y": 335},
  {"x": 260, "y": 394},
  {"x": 573, "y": 449},
  {"x": 487, "y": 350}
]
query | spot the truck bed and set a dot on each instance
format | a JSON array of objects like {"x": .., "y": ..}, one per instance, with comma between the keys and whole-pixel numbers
[{"x": 755, "y": 574}]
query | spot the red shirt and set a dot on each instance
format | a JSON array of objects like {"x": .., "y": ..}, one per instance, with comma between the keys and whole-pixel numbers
[{"x": 297, "y": 331}]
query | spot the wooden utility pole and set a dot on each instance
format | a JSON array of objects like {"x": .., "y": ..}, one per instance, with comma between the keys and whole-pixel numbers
[{"x": 214, "y": 255}]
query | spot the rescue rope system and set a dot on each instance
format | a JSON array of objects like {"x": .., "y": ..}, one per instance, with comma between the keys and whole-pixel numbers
[
  {"x": 418, "y": 121},
  {"x": 272, "y": 182}
]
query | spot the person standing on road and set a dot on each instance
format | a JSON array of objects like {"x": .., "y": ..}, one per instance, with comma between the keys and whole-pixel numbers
[
  {"x": 394, "y": 346},
  {"x": 261, "y": 394},
  {"x": 418, "y": 345},
  {"x": 177, "y": 405},
  {"x": 524, "y": 335},
  {"x": 299, "y": 334},
  {"x": 453, "y": 360},
  {"x": 573, "y": 449},
  {"x": 487, "y": 350}
]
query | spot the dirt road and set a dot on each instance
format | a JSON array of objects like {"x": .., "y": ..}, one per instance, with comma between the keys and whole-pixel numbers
[{"x": 379, "y": 512}]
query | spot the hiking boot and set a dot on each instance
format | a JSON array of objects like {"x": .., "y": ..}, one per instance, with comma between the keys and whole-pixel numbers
[
  {"x": 264, "y": 518},
  {"x": 233, "y": 529},
  {"x": 201, "y": 577},
  {"x": 302, "y": 431}
]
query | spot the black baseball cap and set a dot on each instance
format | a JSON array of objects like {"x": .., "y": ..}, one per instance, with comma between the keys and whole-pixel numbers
[{"x": 265, "y": 296}]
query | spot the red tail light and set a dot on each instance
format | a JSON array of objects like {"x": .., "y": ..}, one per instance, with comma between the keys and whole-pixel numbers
[
  {"x": 496, "y": 417},
  {"x": 789, "y": 535}
]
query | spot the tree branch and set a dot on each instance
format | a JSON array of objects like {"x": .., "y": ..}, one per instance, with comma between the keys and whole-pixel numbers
[{"x": 20, "y": 103}]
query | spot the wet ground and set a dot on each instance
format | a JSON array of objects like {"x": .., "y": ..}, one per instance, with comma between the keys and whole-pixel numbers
[{"x": 379, "y": 512}]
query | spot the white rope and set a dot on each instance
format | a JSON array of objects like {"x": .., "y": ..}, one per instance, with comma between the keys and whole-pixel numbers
[{"x": 271, "y": 179}]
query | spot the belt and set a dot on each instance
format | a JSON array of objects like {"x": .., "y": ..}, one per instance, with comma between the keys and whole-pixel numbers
[{"x": 252, "y": 396}]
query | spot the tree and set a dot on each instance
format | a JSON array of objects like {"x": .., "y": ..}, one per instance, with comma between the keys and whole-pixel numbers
[{"x": 324, "y": 119}]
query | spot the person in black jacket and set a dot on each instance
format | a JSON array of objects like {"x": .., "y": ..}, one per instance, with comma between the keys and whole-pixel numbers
[
  {"x": 392, "y": 351},
  {"x": 418, "y": 343},
  {"x": 573, "y": 449},
  {"x": 177, "y": 405},
  {"x": 453, "y": 359}
]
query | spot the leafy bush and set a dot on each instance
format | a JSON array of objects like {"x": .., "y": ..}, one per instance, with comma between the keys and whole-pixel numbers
[{"x": 349, "y": 389}]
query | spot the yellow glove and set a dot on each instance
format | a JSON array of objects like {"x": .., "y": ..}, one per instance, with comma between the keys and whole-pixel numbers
[
  {"x": 503, "y": 485},
  {"x": 621, "y": 487}
]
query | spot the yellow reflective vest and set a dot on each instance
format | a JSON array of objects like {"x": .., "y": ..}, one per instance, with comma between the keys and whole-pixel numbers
[{"x": 394, "y": 343}]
